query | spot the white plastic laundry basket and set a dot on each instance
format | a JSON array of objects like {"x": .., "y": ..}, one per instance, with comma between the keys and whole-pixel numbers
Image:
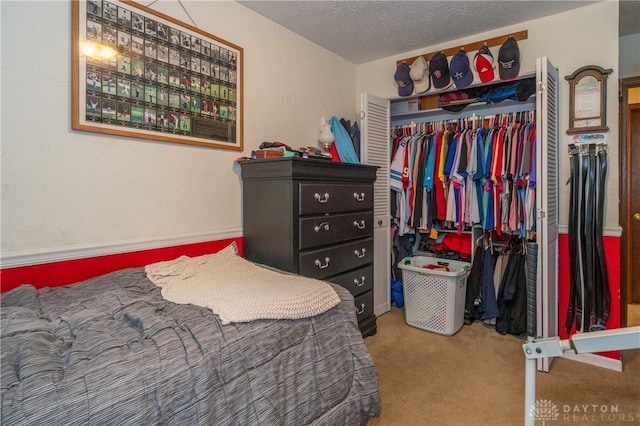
[{"x": 434, "y": 298}]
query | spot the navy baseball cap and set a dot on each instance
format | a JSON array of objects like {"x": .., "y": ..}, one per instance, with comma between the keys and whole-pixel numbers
[
  {"x": 403, "y": 80},
  {"x": 439, "y": 70},
  {"x": 461, "y": 70}
]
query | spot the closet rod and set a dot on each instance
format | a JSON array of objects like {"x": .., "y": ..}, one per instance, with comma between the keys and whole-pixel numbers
[
  {"x": 471, "y": 47},
  {"x": 478, "y": 109},
  {"x": 474, "y": 117}
]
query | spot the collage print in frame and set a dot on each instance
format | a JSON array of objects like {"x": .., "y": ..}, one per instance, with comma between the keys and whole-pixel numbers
[{"x": 161, "y": 79}]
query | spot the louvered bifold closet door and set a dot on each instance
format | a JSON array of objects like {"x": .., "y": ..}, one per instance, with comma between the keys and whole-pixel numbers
[
  {"x": 375, "y": 124},
  {"x": 547, "y": 202}
]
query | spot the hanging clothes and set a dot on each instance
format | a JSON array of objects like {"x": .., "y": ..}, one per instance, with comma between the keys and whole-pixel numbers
[
  {"x": 474, "y": 280},
  {"x": 399, "y": 170},
  {"x": 343, "y": 142},
  {"x": 472, "y": 173},
  {"x": 461, "y": 176},
  {"x": 488, "y": 309},
  {"x": 497, "y": 285},
  {"x": 512, "y": 296}
]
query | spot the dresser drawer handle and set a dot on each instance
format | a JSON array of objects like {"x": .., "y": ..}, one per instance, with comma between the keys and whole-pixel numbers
[
  {"x": 360, "y": 254},
  {"x": 322, "y": 198},
  {"x": 359, "y": 283},
  {"x": 322, "y": 266},
  {"x": 358, "y": 197},
  {"x": 359, "y": 225},
  {"x": 361, "y": 310},
  {"x": 323, "y": 225}
]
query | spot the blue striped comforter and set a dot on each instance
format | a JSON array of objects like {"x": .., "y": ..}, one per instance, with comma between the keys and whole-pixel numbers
[{"x": 111, "y": 351}]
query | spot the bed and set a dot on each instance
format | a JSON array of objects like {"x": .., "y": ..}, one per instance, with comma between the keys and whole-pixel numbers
[{"x": 114, "y": 350}]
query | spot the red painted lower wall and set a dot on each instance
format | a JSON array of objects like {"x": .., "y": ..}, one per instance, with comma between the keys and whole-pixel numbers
[
  {"x": 612, "y": 256},
  {"x": 70, "y": 271}
]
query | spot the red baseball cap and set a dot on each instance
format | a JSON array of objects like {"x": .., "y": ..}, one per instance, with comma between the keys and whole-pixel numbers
[{"x": 483, "y": 62}]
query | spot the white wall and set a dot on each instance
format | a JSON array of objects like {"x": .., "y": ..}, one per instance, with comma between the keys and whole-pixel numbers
[
  {"x": 584, "y": 36},
  {"x": 64, "y": 188}
]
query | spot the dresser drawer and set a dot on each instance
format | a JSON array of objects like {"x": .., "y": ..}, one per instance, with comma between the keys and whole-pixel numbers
[
  {"x": 316, "y": 198},
  {"x": 334, "y": 260},
  {"x": 364, "y": 305},
  {"x": 357, "y": 281},
  {"x": 329, "y": 229}
]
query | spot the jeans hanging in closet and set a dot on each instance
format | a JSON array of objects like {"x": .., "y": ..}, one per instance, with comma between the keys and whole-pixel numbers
[{"x": 488, "y": 305}]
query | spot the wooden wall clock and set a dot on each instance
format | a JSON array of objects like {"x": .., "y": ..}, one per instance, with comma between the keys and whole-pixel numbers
[{"x": 588, "y": 99}]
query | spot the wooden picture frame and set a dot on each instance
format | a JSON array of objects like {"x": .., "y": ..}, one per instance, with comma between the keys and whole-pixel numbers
[
  {"x": 588, "y": 100},
  {"x": 142, "y": 74}
]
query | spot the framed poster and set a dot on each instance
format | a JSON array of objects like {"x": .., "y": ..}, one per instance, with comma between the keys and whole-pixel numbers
[{"x": 139, "y": 73}]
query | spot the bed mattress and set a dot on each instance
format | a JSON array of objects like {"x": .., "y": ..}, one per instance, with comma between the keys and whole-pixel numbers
[{"x": 111, "y": 350}]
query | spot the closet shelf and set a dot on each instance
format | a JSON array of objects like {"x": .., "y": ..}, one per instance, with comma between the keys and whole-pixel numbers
[
  {"x": 438, "y": 114},
  {"x": 522, "y": 76},
  {"x": 402, "y": 116}
]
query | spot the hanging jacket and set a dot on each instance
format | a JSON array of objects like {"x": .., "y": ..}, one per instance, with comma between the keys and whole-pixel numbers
[
  {"x": 510, "y": 297},
  {"x": 474, "y": 281},
  {"x": 343, "y": 143}
]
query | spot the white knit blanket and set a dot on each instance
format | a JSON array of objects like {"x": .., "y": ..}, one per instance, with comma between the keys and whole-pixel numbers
[{"x": 238, "y": 290}]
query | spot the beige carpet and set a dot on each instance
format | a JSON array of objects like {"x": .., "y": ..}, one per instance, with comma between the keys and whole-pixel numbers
[{"x": 476, "y": 377}]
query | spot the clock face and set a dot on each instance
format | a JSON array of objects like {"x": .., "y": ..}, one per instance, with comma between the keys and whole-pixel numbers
[{"x": 588, "y": 99}]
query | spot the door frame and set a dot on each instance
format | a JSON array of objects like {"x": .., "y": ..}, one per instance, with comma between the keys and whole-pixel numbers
[{"x": 625, "y": 193}]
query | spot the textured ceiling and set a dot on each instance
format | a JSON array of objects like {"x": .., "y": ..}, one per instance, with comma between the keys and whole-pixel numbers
[{"x": 362, "y": 31}]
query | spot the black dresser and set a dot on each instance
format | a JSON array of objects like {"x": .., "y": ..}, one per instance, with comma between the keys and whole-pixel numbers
[{"x": 313, "y": 217}]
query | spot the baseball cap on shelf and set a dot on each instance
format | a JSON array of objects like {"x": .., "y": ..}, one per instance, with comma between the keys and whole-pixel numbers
[
  {"x": 483, "y": 62},
  {"x": 420, "y": 75},
  {"x": 439, "y": 70},
  {"x": 403, "y": 80},
  {"x": 461, "y": 70},
  {"x": 454, "y": 101},
  {"x": 509, "y": 59}
]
